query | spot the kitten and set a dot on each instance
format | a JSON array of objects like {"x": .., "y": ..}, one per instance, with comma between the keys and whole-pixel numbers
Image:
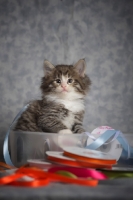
[{"x": 61, "y": 109}]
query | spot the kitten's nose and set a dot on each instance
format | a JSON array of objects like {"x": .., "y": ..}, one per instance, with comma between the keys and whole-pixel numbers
[{"x": 63, "y": 86}]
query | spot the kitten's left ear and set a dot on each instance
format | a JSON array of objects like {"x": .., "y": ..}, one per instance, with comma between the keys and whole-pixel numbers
[
  {"x": 48, "y": 67},
  {"x": 80, "y": 67}
]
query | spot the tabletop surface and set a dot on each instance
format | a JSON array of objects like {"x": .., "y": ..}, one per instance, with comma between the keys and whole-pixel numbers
[{"x": 121, "y": 188}]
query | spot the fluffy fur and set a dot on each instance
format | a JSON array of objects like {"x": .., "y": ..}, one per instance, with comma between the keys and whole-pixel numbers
[{"x": 61, "y": 108}]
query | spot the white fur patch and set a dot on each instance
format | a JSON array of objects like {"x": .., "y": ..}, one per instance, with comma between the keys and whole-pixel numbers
[
  {"x": 69, "y": 120},
  {"x": 71, "y": 103}
]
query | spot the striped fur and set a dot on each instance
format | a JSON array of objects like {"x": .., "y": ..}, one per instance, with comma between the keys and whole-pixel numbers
[{"x": 62, "y": 105}]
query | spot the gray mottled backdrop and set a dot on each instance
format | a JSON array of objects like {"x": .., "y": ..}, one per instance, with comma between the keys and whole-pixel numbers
[{"x": 101, "y": 31}]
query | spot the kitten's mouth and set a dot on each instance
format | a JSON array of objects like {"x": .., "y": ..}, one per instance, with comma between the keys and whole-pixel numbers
[{"x": 64, "y": 90}]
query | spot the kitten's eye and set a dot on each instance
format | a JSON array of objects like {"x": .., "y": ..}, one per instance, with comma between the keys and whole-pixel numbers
[
  {"x": 58, "y": 80},
  {"x": 70, "y": 80}
]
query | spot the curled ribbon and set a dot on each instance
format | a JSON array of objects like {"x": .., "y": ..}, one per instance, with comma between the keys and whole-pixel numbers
[
  {"x": 41, "y": 178},
  {"x": 127, "y": 151},
  {"x": 5, "y": 145}
]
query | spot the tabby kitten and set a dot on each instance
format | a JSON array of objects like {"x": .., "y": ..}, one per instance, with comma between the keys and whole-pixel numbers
[{"x": 61, "y": 108}]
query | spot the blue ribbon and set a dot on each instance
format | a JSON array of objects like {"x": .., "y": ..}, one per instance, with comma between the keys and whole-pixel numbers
[
  {"x": 101, "y": 140},
  {"x": 127, "y": 152},
  {"x": 5, "y": 145}
]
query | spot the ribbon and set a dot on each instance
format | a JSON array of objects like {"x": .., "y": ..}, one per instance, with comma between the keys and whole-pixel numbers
[
  {"x": 5, "y": 145},
  {"x": 79, "y": 163},
  {"x": 101, "y": 140},
  {"x": 4, "y": 166},
  {"x": 127, "y": 152},
  {"x": 42, "y": 178},
  {"x": 117, "y": 174},
  {"x": 35, "y": 177},
  {"x": 90, "y": 159},
  {"x": 80, "y": 172}
]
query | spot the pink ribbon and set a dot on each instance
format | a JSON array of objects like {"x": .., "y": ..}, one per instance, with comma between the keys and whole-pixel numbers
[{"x": 81, "y": 172}]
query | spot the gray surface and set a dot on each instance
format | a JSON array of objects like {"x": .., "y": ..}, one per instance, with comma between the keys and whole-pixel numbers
[
  {"x": 120, "y": 188},
  {"x": 112, "y": 189},
  {"x": 63, "y": 32}
]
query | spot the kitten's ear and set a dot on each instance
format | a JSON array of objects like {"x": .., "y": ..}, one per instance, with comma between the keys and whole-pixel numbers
[
  {"x": 80, "y": 67},
  {"x": 48, "y": 67}
]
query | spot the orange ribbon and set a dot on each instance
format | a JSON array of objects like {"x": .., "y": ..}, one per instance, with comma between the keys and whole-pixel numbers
[
  {"x": 78, "y": 163},
  {"x": 5, "y": 166},
  {"x": 90, "y": 160},
  {"x": 41, "y": 178}
]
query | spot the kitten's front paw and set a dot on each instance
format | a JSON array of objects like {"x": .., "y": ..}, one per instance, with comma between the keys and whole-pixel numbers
[{"x": 65, "y": 131}]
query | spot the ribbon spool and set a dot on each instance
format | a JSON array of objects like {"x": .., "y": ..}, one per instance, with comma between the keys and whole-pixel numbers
[{"x": 109, "y": 140}]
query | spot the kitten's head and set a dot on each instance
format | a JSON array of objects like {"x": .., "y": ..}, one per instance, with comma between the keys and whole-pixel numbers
[{"x": 64, "y": 81}]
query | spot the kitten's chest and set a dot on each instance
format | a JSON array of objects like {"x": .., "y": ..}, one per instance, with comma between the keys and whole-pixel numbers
[
  {"x": 73, "y": 106},
  {"x": 73, "y": 109},
  {"x": 69, "y": 120}
]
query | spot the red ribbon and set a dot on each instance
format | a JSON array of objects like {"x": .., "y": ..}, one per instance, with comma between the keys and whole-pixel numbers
[{"x": 41, "y": 178}]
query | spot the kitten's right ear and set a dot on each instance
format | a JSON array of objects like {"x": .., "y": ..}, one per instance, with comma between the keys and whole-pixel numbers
[
  {"x": 48, "y": 67},
  {"x": 80, "y": 67}
]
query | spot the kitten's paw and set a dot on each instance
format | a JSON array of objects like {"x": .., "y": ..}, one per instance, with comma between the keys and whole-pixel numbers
[{"x": 65, "y": 131}]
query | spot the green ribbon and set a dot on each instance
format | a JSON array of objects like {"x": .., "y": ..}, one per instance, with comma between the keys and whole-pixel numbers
[{"x": 117, "y": 174}]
